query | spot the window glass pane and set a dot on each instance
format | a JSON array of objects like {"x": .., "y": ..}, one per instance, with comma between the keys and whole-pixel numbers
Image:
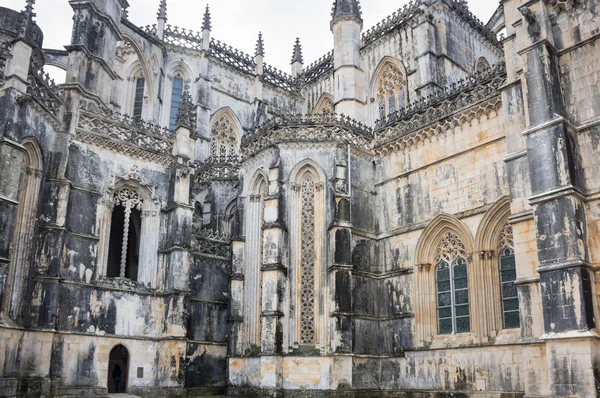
[
  {"x": 461, "y": 297},
  {"x": 510, "y": 301},
  {"x": 445, "y": 312},
  {"x": 392, "y": 103},
  {"x": 444, "y": 286},
  {"x": 511, "y": 304},
  {"x": 381, "y": 108},
  {"x": 509, "y": 275},
  {"x": 462, "y": 310},
  {"x": 507, "y": 261},
  {"x": 463, "y": 325},
  {"x": 175, "y": 102},
  {"x": 460, "y": 269},
  {"x": 511, "y": 320},
  {"x": 509, "y": 290},
  {"x": 138, "y": 103},
  {"x": 443, "y": 274},
  {"x": 445, "y": 326},
  {"x": 461, "y": 283},
  {"x": 401, "y": 100},
  {"x": 444, "y": 299}
]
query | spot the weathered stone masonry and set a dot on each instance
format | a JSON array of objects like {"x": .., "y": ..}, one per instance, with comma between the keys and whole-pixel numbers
[{"x": 415, "y": 213}]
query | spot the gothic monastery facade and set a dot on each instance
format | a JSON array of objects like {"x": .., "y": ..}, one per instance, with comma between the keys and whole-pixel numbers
[{"x": 417, "y": 213}]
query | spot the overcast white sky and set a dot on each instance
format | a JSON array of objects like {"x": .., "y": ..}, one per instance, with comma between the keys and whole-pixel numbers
[{"x": 237, "y": 22}]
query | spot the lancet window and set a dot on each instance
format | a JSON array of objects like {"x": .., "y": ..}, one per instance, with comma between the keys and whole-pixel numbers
[
  {"x": 224, "y": 138},
  {"x": 138, "y": 102},
  {"x": 308, "y": 188},
  {"x": 452, "y": 286},
  {"x": 176, "y": 94},
  {"x": 391, "y": 90},
  {"x": 508, "y": 275},
  {"x": 123, "y": 257}
]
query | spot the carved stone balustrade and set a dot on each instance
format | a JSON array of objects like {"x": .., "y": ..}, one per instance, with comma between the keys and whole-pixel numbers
[{"x": 112, "y": 130}]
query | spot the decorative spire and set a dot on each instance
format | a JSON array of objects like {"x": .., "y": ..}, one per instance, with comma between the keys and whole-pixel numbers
[
  {"x": 346, "y": 10},
  {"x": 186, "y": 115},
  {"x": 27, "y": 22},
  {"x": 162, "y": 10},
  {"x": 260, "y": 46},
  {"x": 206, "y": 23},
  {"x": 297, "y": 57}
]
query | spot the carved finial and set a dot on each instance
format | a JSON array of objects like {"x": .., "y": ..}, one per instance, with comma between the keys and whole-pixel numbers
[
  {"x": 162, "y": 10},
  {"x": 186, "y": 115},
  {"x": 206, "y": 22},
  {"x": 27, "y": 22},
  {"x": 297, "y": 57},
  {"x": 346, "y": 10},
  {"x": 260, "y": 46}
]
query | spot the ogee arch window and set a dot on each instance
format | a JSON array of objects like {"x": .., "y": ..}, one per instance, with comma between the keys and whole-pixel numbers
[{"x": 452, "y": 286}]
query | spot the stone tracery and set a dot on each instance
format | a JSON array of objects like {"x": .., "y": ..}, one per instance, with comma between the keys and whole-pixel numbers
[{"x": 391, "y": 90}]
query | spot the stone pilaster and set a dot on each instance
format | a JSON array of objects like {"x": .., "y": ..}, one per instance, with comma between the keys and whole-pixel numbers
[{"x": 274, "y": 268}]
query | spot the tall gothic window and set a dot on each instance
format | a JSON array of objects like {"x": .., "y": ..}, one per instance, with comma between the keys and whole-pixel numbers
[
  {"x": 391, "y": 90},
  {"x": 224, "y": 138},
  {"x": 452, "y": 286},
  {"x": 124, "y": 245},
  {"x": 307, "y": 268},
  {"x": 138, "y": 102},
  {"x": 175, "y": 100},
  {"x": 508, "y": 275}
]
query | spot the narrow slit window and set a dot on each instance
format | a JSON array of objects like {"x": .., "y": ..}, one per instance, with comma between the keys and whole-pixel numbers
[
  {"x": 138, "y": 103},
  {"x": 175, "y": 101},
  {"x": 508, "y": 276}
]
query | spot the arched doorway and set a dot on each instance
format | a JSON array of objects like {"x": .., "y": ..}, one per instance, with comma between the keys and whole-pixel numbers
[{"x": 119, "y": 356}]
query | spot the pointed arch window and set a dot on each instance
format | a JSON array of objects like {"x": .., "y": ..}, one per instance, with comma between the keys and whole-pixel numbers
[
  {"x": 325, "y": 107},
  {"x": 508, "y": 276},
  {"x": 124, "y": 244},
  {"x": 224, "y": 138},
  {"x": 482, "y": 65},
  {"x": 452, "y": 286},
  {"x": 138, "y": 101},
  {"x": 176, "y": 94},
  {"x": 391, "y": 90}
]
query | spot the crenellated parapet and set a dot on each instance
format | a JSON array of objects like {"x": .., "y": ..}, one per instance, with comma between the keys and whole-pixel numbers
[{"x": 113, "y": 130}]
